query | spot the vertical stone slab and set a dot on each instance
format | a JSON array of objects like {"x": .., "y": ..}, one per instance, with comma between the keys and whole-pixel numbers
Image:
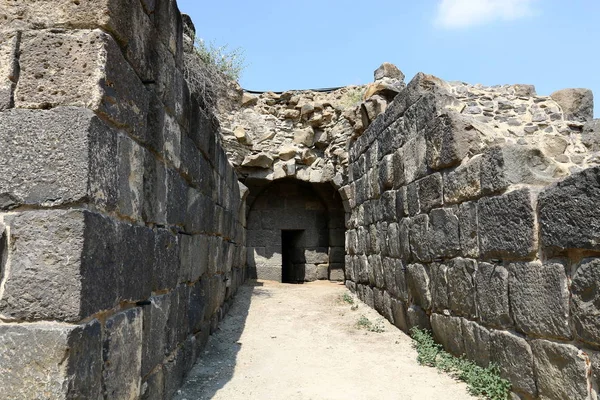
[
  {"x": 562, "y": 370},
  {"x": 515, "y": 358},
  {"x": 122, "y": 355},
  {"x": 491, "y": 283},
  {"x": 461, "y": 287},
  {"x": 585, "y": 299},
  {"x": 539, "y": 299},
  {"x": 477, "y": 342}
]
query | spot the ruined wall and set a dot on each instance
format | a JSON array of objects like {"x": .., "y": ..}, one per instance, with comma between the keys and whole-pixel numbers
[
  {"x": 122, "y": 222},
  {"x": 475, "y": 214}
]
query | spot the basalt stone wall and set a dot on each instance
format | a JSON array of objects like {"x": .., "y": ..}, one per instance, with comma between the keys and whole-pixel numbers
[
  {"x": 122, "y": 234},
  {"x": 470, "y": 219}
]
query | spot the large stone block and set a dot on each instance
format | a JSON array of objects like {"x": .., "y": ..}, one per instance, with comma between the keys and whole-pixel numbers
[
  {"x": 539, "y": 299},
  {"x": 43, "y": 278},
  {"x": 127, "y": 21},
  {"x": 130, "y": 177},
  {"x": 439, "y": 286},
  {"x": 461, "y": 287},
  {"x": 419, "y": 231},
  {"x": 444, "y": 240},
  {"x": 154, "y": 345},
  {"x": 491, "y": 283},
  {"x": 467, "y": 222},
  {"x": 503, "y": 166},
  {"x": 53, "y": 157},
  {"x": 515, "y": 358},
  {"x": 450, "y": 140},
  {"x": 448, "y": 332},
  {"x": 562, "y": 370},
  {"x": 430, "y": 192},
  {"x": 194, "y": 256},
  {"x": 122, "y": 354},
  {"x": 507, "y": 226},
  {"x": 585, "y": 287},
  {"x": 464, "y": 183},
  {"x": 399, "y": 315},
  {"x": 51, "y": 61},
  {"x": 69, "y": 265},
  {"x": 568, "y": 212},
  {"x": 166, "y": 263},
  {"x": 417, "y": 318},
  {"x": 576, "y": 104},
  {"x": 477, "y": 342},
  {"x": 55, "y": 361},
  {"x": 413, "y": 160},
  {"x": 417, "y": 280}
]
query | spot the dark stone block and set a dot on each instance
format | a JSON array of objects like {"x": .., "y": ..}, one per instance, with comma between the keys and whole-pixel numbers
[
  {"x": 450, "y": 140},
  {"x": 585, "y": 287},
  {"x": 507, "y": 226},
  {"x": 491, "y": 283},
  {"x": 443, "y": 235},
  {"x": 561, "y": 371},
  {"x": 461, "y": 287},
  {"x": 417, "y": 279},
  {"x": 467, "y": 221},
  {"x": 539, "y": 299},
  {"x": 439, "y": 286},
  {"x": 67, "y": 360},
  {"x": 121, "y": 354},
  {"x": 515, "y": 358},
  {"x": 419, "y": 231},
  {"x": 568, "y": 212},
  {"x": 154, "y": 345},
  {"x": 430, "y": 192}
]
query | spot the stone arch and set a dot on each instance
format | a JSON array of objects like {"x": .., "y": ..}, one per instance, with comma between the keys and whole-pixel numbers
[{"x": 295, "y": 231}]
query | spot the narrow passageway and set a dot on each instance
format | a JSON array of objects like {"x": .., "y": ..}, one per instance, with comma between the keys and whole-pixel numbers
[{"x": 282, "y": 341}]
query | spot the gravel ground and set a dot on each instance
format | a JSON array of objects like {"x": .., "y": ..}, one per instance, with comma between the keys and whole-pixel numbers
[{"x": 285, "y": 342}]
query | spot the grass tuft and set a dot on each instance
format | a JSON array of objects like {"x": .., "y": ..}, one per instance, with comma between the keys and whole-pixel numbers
[
  {"x": 481, "y": 381},
  {"x": 364, "y": 323}
]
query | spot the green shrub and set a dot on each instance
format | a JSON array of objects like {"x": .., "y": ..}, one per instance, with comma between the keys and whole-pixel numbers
[
  {"x": 364, "y": 323},
  {"x": 211, "y": 71},
  {"x": 484, "y": 382},
  {"x": 228, "y": 62},
  {"x": 352, "y": 97},
  {"x": 347, "y": 298}
]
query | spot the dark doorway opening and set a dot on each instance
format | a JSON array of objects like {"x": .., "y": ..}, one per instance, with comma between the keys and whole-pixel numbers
[{"x": 292, "y": 256}]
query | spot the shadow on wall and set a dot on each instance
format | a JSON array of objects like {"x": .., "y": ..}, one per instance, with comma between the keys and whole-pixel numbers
[{"x": 215, "y": 367}]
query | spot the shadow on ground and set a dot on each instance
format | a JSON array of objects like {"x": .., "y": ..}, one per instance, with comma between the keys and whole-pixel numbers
[{"x": 216, "y": 364}]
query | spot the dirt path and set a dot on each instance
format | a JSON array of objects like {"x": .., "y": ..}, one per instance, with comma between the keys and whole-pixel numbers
[{"x": 285, "y": 342}]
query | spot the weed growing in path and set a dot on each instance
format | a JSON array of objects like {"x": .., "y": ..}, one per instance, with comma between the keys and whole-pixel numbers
[
  {"x": 364, "y": 323},
  {"x": 347, "y": 298},
  {"x": 481, "y": 381}
]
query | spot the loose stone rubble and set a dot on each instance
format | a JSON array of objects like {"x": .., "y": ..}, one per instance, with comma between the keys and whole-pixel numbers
[{"x": 130, "y": 213}]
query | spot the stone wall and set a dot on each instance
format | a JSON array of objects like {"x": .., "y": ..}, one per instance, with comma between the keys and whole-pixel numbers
[
  {"x": 475, "y": 214},
  {"x": 122, "y": 222}
]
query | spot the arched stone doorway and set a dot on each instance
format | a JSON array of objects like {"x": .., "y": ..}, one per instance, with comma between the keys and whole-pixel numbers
[{"x": 295, "y": 231}]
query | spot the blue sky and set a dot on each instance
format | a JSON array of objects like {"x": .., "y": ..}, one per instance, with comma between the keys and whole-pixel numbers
[{"x": 312, "y": 44}]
